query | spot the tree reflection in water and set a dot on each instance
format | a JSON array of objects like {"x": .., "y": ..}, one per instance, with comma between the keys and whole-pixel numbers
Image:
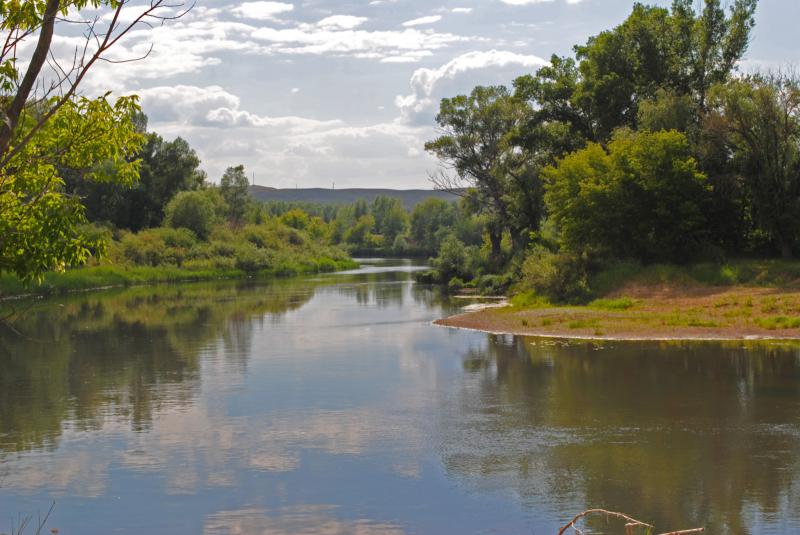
[{"x": 687, "y": 433}]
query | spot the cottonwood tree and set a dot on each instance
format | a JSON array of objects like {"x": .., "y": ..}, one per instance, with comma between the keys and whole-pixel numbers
[
  {"x": 758, "y": 119},
  {"x": 233, "y": 187},
  {"x": 477, "y": 150},
  {"x": 47, "y": 125}
]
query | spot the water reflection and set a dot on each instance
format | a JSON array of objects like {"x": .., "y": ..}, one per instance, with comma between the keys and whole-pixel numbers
[
  {"x": 685, "y": 434},
  {"x": 331, "y": 405},
  {"x": 123, "y": 354}
]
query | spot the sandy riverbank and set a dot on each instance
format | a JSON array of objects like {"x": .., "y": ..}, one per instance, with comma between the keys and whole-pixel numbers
[{"x": 652, "y": 313}]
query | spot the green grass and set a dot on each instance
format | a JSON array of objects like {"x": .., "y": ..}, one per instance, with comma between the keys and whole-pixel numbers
[
  {"x": 269, "y": 249},
  {"x": 770, "y": 273},
  {"x": 621, "y": 303},
  {"x": 529, "y": 299},
  {"x": 87, "y": 278},
  {"x": 778, "y": 322}
]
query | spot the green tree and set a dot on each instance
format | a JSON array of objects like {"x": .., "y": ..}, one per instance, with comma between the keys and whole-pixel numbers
[
  {"x": 678, "y": 50},
  {"x": 758, "y": 120},
  {"x": 166, "y": 168},
  {"x": 47, "y": 128},
  {"x": 478, "y": 143},
  {"x": 644, "y": 198},
  {"x": 391, "y": 219},
  {"x": 427, "y": 218},
  {"x": 193, "y": 210},
  {"x": 296, "y": 218},
  {"x": 360, "y": 233},
  {"x": 233, "y": 186}
]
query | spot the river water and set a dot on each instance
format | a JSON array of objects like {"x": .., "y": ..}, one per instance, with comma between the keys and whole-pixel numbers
[{"x": 331, "y": 405}]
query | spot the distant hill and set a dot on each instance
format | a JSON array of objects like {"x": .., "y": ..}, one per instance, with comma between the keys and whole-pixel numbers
[{"x": 409, "y": 197}]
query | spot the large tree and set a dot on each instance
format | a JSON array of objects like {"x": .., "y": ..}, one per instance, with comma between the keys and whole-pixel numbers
[
  {"x": 643, "y": 198},
  {"x": 757, "y": 118},
  {"x": 478, "y": 149},
  {"x": 47, "y": 126},
  {"x": 233, "y": 186}
]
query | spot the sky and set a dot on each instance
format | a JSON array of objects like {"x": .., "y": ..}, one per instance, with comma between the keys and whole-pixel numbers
[{"x": 312, "y": 93}]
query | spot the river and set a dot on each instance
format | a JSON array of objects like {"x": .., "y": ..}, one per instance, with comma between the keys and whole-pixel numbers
[{"x": 331, "y": 405}]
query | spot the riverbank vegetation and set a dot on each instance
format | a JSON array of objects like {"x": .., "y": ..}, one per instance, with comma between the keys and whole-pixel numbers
[{"x": 647, "y": 153}]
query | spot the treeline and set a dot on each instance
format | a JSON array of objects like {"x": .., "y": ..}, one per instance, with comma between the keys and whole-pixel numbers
[
  {"x": 173, "y": 223},
  {"x": 646, "y": 146},
  {"x": 383, "y": 227}
]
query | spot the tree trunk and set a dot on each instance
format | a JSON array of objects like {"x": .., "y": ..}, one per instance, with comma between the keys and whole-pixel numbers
[
  {"x": 495, "y": 238},
  {"x": 786, "y": 249},
  {"x": 38, "y": 59}
]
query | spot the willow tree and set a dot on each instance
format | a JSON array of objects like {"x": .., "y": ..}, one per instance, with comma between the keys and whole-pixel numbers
[{"x": 47, "y": 125}]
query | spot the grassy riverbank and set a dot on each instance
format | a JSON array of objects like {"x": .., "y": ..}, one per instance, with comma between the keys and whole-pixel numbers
[
  {"x": 743, "y": 299},
  {"x": 172, "y": 255},
  {"x": 88, "y": 278}
]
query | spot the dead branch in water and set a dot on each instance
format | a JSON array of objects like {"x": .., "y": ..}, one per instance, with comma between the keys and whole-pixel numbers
[{"x": 631, "y": 523}]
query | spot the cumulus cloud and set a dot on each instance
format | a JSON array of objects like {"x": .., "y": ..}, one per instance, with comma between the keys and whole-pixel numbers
[
  {"x": 342, "y": 22},
  {"x": 422, "y": 21},
  {"x": 498, "y": 66},
  {"x": 410, "y": 42},
  {"x": 261, "y": 10},
  {"x": 215, "y": 107},
  {"x": 529, "y": 2}
]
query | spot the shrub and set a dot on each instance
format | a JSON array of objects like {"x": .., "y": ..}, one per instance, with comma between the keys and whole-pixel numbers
[
  {"x": 452, "y": 259},
  {"x": 251, "y": 259},
  {"x": 561, "y": 277},
  {"x": 296, "y": 219},
  {"x": 455, "y": 284},
  {"x": 495, "y": 284},
  {"x": 192, "y": 210}
]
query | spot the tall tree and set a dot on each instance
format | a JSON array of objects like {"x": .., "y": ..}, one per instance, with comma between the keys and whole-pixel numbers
[
  {"x": 644, "y": 198},
  {"x": 477, "y": 149},
  {"x": 233, "y": 186},
  {"x": 758, "y": 117},
  {"x": 47, "y": 126},
  {"x": 678, "y": 50}
]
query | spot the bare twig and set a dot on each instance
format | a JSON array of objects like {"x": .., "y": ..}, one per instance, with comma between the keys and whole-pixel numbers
[{"x": 630, "y": 525}]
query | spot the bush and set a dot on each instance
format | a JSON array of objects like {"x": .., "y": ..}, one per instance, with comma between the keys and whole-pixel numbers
[
  {"x": 452, "y": 259},
  {"x": 192, "y": 210},
  {"x": 561, "y": 277},
  {"x": 644, "y": 198},
  {"x": 495, "y": 284},
  {"x": 296, "y": 219},
  {"x": 251, "y": 259},
  {"x": 455, "y": 284},
  {"x": 159, "y": 246}
]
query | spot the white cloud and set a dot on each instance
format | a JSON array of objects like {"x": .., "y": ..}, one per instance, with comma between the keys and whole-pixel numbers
[
  {"x": 425, "y": 81},
  {"x": 529, "y": 2},
  {"x": 465, "y": 10},
  {"x": 343, "y": 22},
  {"x": 215, "y": 107},
  {"x": 261, "y": 10},
  {"x": 422, "y": 20},
  {"x": 357, "y": 43}
]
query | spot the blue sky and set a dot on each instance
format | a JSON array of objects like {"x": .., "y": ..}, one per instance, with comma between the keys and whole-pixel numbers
[{"x": 310, "y": 92}]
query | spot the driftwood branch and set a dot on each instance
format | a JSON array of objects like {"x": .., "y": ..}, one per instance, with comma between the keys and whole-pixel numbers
[{"x": 630, "y": 523}]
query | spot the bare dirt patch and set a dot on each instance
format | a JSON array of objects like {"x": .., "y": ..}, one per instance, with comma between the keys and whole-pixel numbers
[{"x": 657, "y": 312}]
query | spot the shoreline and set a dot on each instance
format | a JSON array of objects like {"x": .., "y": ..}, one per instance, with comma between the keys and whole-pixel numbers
[
  {"x": 444, "y": 322},
  {"x": 658, "y": 313},
  {"x": 97, "y": 278}
]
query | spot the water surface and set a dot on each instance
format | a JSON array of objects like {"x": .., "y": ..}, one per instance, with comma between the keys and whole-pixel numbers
[{"x": 331, "y": 405}]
